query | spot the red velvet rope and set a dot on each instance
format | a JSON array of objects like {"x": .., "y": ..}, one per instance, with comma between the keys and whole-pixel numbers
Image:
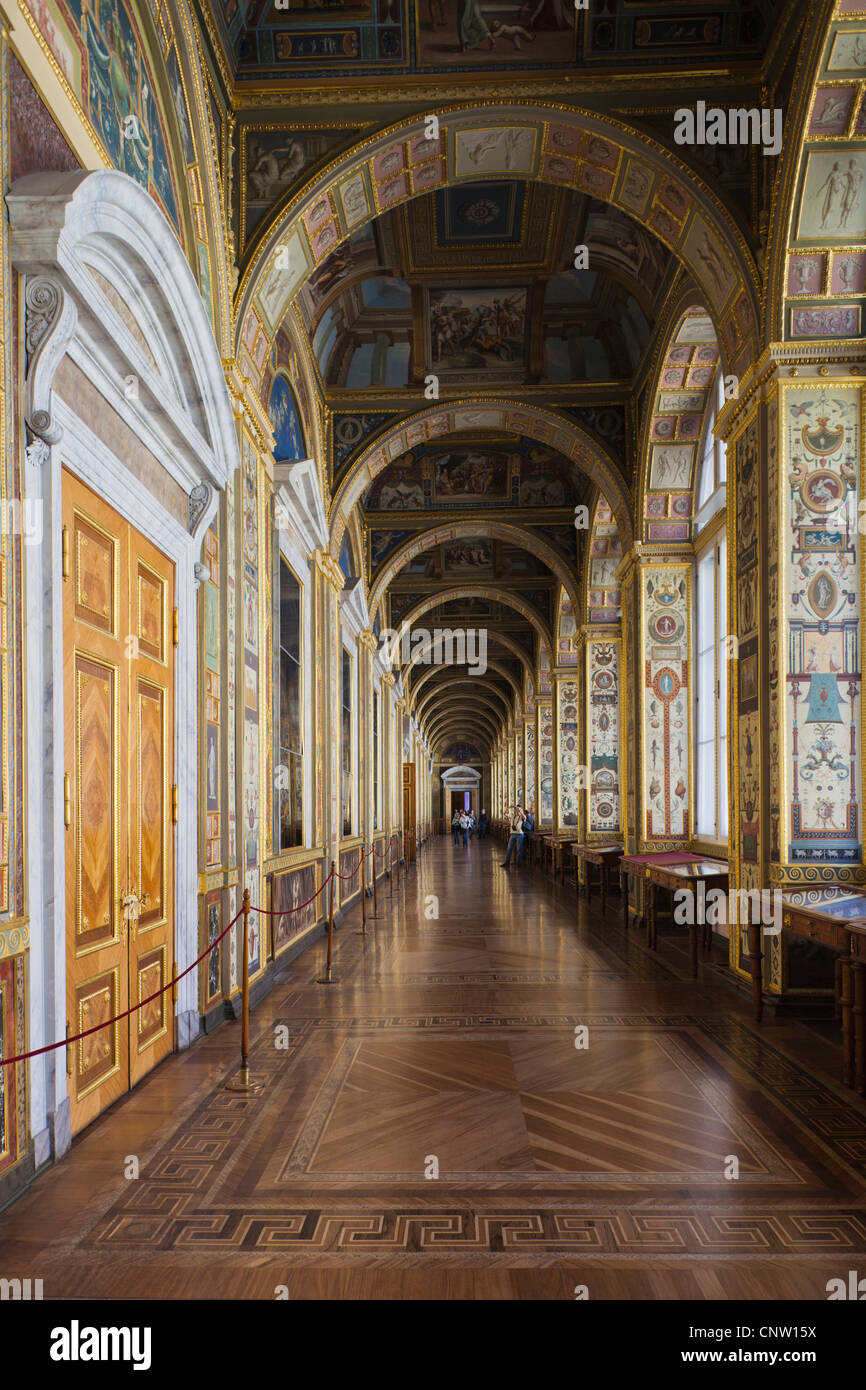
[
  {"x": 285, "y": 912},
  {"x": 98, "y": 1027}
]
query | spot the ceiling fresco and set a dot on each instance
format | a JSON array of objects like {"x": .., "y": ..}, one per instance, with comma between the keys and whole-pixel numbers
[
  {"x": 478, "y": 286},
  {"x": 315, "y": 37},
  {"x": 491, "y": 313}
]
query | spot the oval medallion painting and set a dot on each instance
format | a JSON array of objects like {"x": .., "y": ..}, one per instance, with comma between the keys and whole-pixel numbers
[
  {"x": 822, "y": 491},
  {"x": 822, "y": 594},
  {"x": 666, "y": 627},
  {"x": 288, "y": 436}
]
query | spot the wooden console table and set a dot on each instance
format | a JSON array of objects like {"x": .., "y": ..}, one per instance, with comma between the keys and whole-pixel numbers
[
  {"x": 605, "y": 857},
  {"x": 554, "y": 846},
  {"x": 835, "y": 918},
  {"x": 637, "y": 864},
  {"x": 712, "y": 873}
]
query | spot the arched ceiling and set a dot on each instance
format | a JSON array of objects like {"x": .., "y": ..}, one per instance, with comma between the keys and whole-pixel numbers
[{"x": 471, "y": 312}]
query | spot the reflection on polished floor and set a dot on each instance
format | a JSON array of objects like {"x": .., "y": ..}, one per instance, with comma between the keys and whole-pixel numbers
[{"x": 450, "y": 1040}]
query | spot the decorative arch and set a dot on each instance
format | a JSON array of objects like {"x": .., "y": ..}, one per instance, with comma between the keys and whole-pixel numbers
[
  {"x": 107, "y": 276},
  {"x": 439, "y": 724},
  {"x": 684, "y": 372},
  {"x": 571, "y": 148},
  {"x": 603, "y": 594},
  {"x": 503, "y": 638},
  {"x": 487, "y": 591},
  {"x": 482, "y": 413},
  {"x": 817, "y": 274},
  {"x": 493, "y": 530},
  {"x": 492, "y": 665},
  {"x": 458, "y": 727},
  {"x": 471, "y": 697}
]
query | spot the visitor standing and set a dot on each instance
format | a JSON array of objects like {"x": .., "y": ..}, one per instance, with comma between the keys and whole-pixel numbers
[
  {"x": 515, "y": 826},
  {"x": 526, "y": 831}
]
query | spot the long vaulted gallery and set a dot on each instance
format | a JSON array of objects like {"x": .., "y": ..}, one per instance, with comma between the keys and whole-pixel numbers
[{"x": 431, "y": 723}]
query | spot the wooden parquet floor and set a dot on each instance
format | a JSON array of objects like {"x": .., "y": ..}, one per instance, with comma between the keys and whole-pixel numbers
[{"x": 448, "y": 1045}]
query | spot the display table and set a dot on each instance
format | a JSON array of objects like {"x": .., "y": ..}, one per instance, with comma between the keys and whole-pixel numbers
[
  {"x": 635, "y": 865},
  {"x": 604, "y": 857},
  {"x": 712, "y": 873},
  {"x": 554, "y": 850},
  {"x": 834, "y": 918}
]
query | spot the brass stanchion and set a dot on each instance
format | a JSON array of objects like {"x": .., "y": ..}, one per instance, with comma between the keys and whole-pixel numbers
[
  {"x": 375, "y": 898},
  {"x": 362, "y": 868},
  {"x": 243, "y": 1083},
  {"x": 326, "y": 980},
  {"x": 391, "y": 875},
  {"x": 399, "y": 838}
]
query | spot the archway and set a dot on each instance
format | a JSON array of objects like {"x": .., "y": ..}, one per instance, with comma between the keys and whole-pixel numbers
[
  {"x": 481, "y": 413},
  {"x": 517, "y": 535},
  {"x": 569, "y": 148},
  {"x": 131, "y": 438}
]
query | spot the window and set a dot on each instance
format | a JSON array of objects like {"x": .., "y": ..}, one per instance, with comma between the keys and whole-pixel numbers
[
  {"x": 376, "y": 702},
  {"x": 712, "y": 465},
  {"x": 712, "y": 691},
  {"x": 290, "y": 783},
  {"x": 346, "y": 739}
]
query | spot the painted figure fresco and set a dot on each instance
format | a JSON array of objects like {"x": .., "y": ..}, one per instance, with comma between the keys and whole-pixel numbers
[
  {"x": 477, "y": 329},
  {"x": 459, "y": 31},
  {"x": 122, "y": 97},
  {"x": 283, "y": 410}
]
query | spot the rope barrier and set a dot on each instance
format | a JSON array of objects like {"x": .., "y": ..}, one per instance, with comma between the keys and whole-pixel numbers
[
  {"x": 287, "y": 911},
  {"x": 97, "y": 1028},
  {"x": 243, "y": 913}
]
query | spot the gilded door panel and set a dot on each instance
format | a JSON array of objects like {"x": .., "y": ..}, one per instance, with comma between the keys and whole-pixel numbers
[
  {"x": 152, "y": 1018},
  {"x": 97, "y": 1057},
  {"x": 119, "y": 737},
  {"x": 95, "y": 717},
  {"x": 94, "y": 843},
  {"x": 96, "y": 565},
  {"x": 151, "y": 773}
]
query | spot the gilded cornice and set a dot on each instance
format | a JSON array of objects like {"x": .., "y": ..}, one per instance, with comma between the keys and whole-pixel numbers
[
  {"x": 328, "y": 566},
  {"x": 817, "y": 358},
  {"x": 247, "y": 407},
  {"x": 427, "y": 90}
]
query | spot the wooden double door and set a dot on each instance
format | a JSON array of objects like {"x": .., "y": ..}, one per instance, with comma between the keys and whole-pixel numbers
[{"x": 118, "y": 674}]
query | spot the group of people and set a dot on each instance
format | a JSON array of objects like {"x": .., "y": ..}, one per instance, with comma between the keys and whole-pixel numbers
[
  {"x": 521, "y": 823},
  {"x": 464, "y": 824}
]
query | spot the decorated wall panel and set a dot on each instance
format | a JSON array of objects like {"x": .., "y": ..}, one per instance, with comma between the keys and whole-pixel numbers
[
  {"x": 251, "y": 772},
  {"x": 665, "y": 624},
  {"x": 211, "y": 695},
  {"x": 292, "y": 892},
  {"x": 568, "y": 696},
  {"x": 822, "y": 790},
  {"x": 136, "y": 100},
  {"x": 545, "y": 762},
  {"x": 605, "y": 553},
  {"x": 746, "y": 714},
  {"x": 602, "y": 691}
]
